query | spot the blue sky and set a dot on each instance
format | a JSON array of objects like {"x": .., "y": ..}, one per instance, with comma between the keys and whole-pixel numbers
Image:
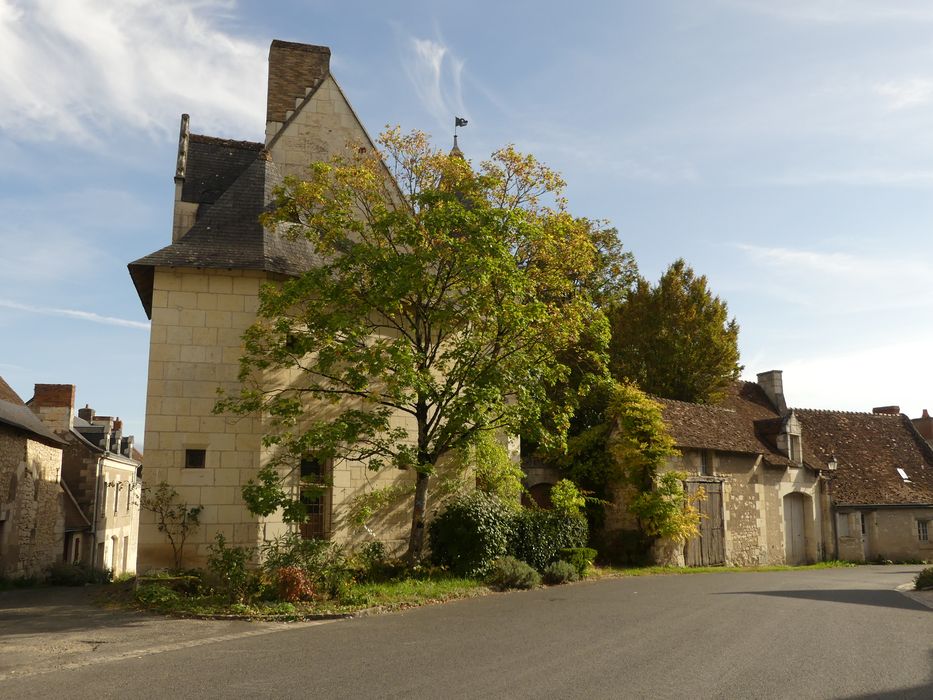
[{"x": 783, "y": 149}]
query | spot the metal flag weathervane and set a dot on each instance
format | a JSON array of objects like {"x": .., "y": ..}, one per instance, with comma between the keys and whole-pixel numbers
[{"x": 459, "y": 121}]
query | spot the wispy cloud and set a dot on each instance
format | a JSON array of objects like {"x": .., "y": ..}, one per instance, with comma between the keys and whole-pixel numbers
[
  {"x": 75, "y": 70},
  {"x": 843, "y": 281},
  {"x": 437, "y": 76},
  {"x": 73, "y": 313},
  {"x": 840, "y": 11},
  {"x": 903, "y": 94}
]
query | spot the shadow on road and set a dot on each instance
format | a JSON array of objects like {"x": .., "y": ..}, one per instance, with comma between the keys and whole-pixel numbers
[
  {"x": 41, "y": 610},
  {"x": 884, "y": 599}
]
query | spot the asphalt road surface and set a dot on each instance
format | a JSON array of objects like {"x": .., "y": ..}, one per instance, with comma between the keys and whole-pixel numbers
[{"x": 837, "y": 633}]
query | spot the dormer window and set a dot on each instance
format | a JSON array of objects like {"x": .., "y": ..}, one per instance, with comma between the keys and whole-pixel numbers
[{"x": 794, "y": 452}]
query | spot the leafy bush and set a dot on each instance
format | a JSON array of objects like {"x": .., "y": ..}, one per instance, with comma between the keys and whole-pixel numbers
[
  {"x": 509, "y": 572},
  {"x": 62, "y": 574},
  {"x": 539, "y": 535},
  {"x": 471, "y": 533},
  {"x": 322, "y": 561},
  {"x": 155, "y": 595},
  {"x": 567, "y": 498},
  {"x": 558, "y": 572},
  {"x": 581, "y": 558},
  {"x": 924, "y": 580},
  {"x": 230, "y": 569},
  {"x": 294, "y": 584}
]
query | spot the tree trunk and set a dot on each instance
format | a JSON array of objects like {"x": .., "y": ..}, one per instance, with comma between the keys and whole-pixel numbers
[{"x": 416, "y": 541}]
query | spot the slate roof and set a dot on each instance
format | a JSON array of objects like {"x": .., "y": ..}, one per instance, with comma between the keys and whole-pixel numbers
[
  {"x": 744, "y": 421},
  {"x": 229, "y": 235},
  {"x": 213, "y": 165},
  {"x": 15, "y": 413},
  {"x": 869, "y": 448}
]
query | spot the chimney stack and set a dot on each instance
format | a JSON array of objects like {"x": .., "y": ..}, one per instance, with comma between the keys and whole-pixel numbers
[
  {"x": 294, "y": 69},
  {"x": 887, "y": 410},
  {"x": 86, "y": 413},
  {"x": 54, "y": 404},
  {"x": 924, "y": 425},
  {"x": 773, "y": 385}
]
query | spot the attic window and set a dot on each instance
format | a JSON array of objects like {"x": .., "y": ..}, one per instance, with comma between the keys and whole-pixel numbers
[{"x": 903, "y": 475}]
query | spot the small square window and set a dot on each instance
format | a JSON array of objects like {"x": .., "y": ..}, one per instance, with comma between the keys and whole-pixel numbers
[
  {"x": 194, "y": 459},
  {"x": 923, "y": 532}
]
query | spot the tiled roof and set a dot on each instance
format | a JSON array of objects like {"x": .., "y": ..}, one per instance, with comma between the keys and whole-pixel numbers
[
  {"x": 869, "y": 448},
  {"x": 15, "y": 413},
  {"x": 229, "y": 235},
  {"x": 213, "y": 165},
  {"x": 744, "y": 421}
]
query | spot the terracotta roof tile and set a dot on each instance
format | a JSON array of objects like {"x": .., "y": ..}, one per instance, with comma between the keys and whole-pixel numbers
[{"x": 869, "y": 448}]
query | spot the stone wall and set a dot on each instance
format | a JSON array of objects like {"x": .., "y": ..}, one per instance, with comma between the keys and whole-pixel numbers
[
  {"x": 32, "y": 516},
  {"x": 890, "y": 533}
]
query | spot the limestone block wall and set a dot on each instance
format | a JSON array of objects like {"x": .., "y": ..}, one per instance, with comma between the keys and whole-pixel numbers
[
  {"x": 198, "y": 319},
  {"x": 32, "y": 516},
  {"x": 321, "y": 128},
  {"x": 890, "y": 533}
]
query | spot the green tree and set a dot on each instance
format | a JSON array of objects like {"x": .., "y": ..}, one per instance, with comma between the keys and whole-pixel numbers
[
  {"x": 446, "y": 296},
  {"x": 675, "y": 340}
]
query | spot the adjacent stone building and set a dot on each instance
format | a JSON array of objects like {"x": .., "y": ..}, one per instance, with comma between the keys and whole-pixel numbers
[
  {"x": 762, "y": 501},
  {"x": 32, "y": 507},
  {"x": 100, "y": 476},
  {"x": 201, "y": 293},
  {"x": 880, "y": 491}
]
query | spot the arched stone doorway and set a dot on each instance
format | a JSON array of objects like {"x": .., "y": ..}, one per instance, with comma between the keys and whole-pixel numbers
[{"x": 797, "y": 510}]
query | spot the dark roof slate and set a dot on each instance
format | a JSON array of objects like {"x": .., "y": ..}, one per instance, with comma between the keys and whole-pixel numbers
[
  {"x": 229, "y": 235},
  {"x": 213, "y": 165},
  {"x": 869, "y": 448},
  {"x": 15, "y": 413},
  {"x": 744, "y": 421}
]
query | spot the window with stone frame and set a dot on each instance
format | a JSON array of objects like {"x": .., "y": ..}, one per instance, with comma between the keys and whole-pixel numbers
[
  {"x": 195, "y": 458},
  {"x": 794, "y": 452},
  {"x": 314, "y": 473},
  {"x": 923, "y": 532},
  {"x": 706, "y": 463}
]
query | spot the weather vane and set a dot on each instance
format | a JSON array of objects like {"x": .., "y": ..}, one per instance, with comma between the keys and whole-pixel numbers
[{"x": 458, "y": 121}]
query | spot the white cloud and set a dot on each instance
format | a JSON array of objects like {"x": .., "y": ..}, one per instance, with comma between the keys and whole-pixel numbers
[
  {"x": 903, "y": 94},
  {"x": 880, "y": 375},
  {"x": 75, "y": 69},
  {"x": 842, "y": 281},
  {"x": 73, "y": 313},
  {"x": 437, "y": 76}
]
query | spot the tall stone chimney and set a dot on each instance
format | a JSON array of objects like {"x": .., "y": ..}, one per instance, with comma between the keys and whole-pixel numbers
[
  {"x": 184, "y": 213},
  {"x": 54, "y": 404},
  {"x": 773, "y": 385},
  {"x": 295, "y": 70}
]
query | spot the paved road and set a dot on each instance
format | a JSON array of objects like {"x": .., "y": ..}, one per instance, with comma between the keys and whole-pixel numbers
[{"x": 841, "y": 633}]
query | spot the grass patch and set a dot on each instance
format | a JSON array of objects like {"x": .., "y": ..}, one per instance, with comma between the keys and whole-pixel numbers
[
  {"x": 396, "y": 594},
  {"x": 609, "y": 571}
]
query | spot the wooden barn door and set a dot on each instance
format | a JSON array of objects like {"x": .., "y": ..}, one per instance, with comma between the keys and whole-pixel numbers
[{"x": 709, "y": 548}]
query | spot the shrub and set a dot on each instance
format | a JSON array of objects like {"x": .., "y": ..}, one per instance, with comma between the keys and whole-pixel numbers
[
  {"x": 539, "y": 535},
  {"x": 62, "y": 574},
  {"x": 509, "y": 572},
  {"x": 230, "y": 569},
  {"x": 558, "y": 572},
  {"x": 579, "y": 557},
  {"x": 924, "y": 580},
  {"x": 323, "y": 562},
  {"x": 567, "y": 498},
  {"x": 155, "y": 595},
  {"x": 293, "y": 584},
  {"x": 471, "y": 533}
]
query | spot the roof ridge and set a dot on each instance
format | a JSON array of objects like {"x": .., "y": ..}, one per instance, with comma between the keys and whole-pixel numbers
[
  {"x": 692, "y": 403},
  {"x": 845, "y": 413},
  {"x": 232, "y": 143}
]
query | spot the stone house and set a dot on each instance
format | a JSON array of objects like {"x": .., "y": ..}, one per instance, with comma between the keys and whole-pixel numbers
[
  {"x": 32, "y": 502},
  {"x": 879, "y": 496},
  {"x": 100, "y": 475},
  {"x": 201, "y": 294},
  {"x": 762, "y": 501}
]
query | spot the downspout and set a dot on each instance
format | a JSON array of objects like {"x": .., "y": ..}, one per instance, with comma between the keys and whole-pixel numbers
[{"x": 97, "y": 490}]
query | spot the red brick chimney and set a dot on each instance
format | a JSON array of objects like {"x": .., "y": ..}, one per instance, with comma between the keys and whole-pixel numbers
[
  {"x": 887, "y": 410},
  {"x": 294, "y": 69},
  {"x": 924, "y": 425},
  {"x": 54, "y": 404}
]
